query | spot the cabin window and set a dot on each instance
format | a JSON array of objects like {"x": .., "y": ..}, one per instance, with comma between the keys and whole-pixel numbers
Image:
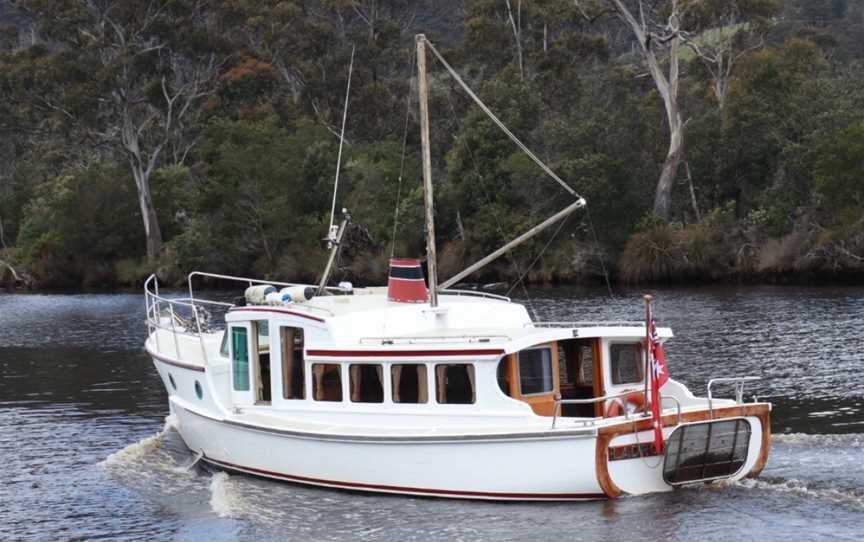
[
  {"x": 367, "y": 383},
  {"x": 625, "y": 361},
  {"x": 293, "y": 377},
  {"x": 535, "y": 371},
  {"x": 261, "y": 358},
  {"x": 327, "y": 381},
  {"x": 240, "y": 358},
  {"x": 454, "y": 384},
  {"x": 409, "y": 383}
]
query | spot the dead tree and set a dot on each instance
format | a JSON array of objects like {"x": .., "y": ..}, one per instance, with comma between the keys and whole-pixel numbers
[{"x": 654, "y": 40}]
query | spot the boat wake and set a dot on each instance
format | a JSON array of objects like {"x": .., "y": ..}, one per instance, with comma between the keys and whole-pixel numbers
[
  {"x": 224, "y": 500},
  {"x": 794, "y": 486},
  {"x": 849, "y": 440}
]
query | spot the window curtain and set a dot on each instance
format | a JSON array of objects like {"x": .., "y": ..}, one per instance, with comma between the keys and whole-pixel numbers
[
  {"x": 396, "y": 377},
  {"x": 355, "y": 382},
  {"x": 318, "y": 376},
  {"x": 441, "y": 383},
  {"x": 470, "y": 370},
  {"x": 422, "y": 385}
]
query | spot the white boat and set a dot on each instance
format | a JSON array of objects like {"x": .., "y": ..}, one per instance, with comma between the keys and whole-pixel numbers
[{"x": 424, "y": 390}]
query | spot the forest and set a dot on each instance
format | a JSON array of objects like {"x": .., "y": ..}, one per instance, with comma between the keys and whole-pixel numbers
[{"x": 714, "y": 140}]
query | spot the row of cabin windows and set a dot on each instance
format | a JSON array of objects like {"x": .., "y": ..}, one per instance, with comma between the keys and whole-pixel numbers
[{"x": 454, "y": 383}]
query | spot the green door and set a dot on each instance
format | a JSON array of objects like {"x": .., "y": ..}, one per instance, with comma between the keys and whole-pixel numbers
[{"x": 240, "y": 358}]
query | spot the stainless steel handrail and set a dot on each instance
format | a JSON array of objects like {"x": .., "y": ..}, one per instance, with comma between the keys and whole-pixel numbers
[
  {"x": 739, "y": 382},
  {"x": 452, "y": 291},
  {"x": 617, "y": 398},
  {"x": 611, "y": 323},
  {"x": 437, "y": 339},
  {"x": 248, "y": 280}
]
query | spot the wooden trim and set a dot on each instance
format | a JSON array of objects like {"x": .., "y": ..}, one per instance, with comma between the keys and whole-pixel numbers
[
  {"x": 402, "y": 489},
  {"x": 599, "y": 376},
  {"x": 276, "y": 309},
  {"x": 606, "y": 434},
  {"x": 175, "y": 363}
]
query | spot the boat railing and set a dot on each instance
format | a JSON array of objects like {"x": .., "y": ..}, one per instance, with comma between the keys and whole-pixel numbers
[
  {"x": 159, "y": 308},
  {"x": 609, "y": 323},
  {"x": 474, "y": 293},
  {"x": 251, "y": 282},
  {"x": 615, "y": 398},
  {"x": 457, "y": 339},
  {"x": 738, "y": 382}
]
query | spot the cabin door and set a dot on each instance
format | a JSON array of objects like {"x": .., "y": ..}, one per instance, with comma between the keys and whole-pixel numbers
[
  {"x": 536, "y": 382},
  {"x": 581, "y": 376}
]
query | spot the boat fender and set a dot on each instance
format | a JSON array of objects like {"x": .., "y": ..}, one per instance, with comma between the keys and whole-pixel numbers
[
  {"x": 635, "y": 401},
  {"x": 257, "y": 295},
  {"x": 297, "y": 294}
]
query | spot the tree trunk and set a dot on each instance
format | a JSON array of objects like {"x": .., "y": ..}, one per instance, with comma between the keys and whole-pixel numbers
[
  {"x": 663, "y": 193},
  {"x": 152, "y": 231}
]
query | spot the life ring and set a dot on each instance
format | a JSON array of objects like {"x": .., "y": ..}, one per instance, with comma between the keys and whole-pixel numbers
[{"x": 636, "y": 398}]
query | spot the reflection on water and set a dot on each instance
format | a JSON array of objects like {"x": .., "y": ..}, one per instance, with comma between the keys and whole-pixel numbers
[{"x": 85, "y": 453}]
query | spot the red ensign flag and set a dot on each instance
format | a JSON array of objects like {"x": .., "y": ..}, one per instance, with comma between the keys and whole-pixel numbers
[{"x": 659, "y": 376}]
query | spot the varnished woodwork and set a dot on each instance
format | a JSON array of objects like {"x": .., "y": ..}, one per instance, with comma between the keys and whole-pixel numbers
[{"x": 762, "y": 411}]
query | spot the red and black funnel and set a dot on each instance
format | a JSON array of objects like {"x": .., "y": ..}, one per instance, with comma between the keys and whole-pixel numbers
[{"x": 406, "y": 283}]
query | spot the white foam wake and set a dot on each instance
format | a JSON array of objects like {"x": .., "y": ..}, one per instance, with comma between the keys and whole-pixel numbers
[
  {"x": 792, "y": 485},
  {"x": 224, "y": 499},
  {"x": 850, "y": 440},
  {"x": 135, "y": 452}
]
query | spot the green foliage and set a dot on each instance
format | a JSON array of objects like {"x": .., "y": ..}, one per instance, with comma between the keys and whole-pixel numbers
[{"x": 772, "y": 186}]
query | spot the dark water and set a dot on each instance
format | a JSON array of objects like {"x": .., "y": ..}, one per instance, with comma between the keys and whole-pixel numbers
[{"x": 83, "y": 454}]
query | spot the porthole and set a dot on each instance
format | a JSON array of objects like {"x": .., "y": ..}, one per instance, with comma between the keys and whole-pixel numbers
[
  {"x": 171, "y": 379},
  {"x": 199, "y": 391}
]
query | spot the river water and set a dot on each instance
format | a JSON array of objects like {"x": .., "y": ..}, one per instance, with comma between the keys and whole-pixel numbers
[{"x": 83, "y": 453}]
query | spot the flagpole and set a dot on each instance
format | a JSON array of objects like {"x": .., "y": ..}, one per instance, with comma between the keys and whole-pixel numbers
[{"x": 648, "y": 298}]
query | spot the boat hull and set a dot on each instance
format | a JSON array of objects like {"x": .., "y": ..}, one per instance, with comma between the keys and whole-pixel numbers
[{"x": 500, "y": 469}]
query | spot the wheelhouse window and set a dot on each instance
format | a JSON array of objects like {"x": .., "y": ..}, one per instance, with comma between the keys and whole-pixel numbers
[
  {"x": 293, "y": 374},
  {"x": 454, "y": 384},
  {"x": 366, "y": 383},
  {"x": 535, "y": 371},
  {"x": 261, "y": 361},
  {"x": 625, "y": 362},
  {"x": 240, "y": 358},
  {"x": 327, "y": 382},
  {"x": 409, "y": 383}
]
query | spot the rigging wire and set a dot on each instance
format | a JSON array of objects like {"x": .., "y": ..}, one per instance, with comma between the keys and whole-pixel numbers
[
  {"x": 543, "y": 250},
  {"x": 498, "y": 224},
  {"x": 599, "y": 255},
  {"x": 498, "y": 122},
  {"x": 408, "y": 102},
  {"x": 331, "y": 234}
]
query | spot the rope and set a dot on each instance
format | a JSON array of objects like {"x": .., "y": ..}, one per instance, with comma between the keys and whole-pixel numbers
[
  {"x": 498, "y": 122},
  {"x": 402, "y": 161},
  {"x": 543, "y": 250},
  {"x": 498, "y": 225},
  {"x": 341, "y": 141},
  {"x": 599, "y": 256}
]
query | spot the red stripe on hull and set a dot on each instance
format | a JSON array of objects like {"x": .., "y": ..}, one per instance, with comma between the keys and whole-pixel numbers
[
  {"x": 406, "y": 490},
  {"x": 403, "y": 353}
]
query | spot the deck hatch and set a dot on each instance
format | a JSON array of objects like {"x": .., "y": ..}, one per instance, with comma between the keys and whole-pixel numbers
[{"x": 705, "y": 451}]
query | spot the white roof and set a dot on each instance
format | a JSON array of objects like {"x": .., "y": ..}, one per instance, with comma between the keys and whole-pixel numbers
[{"x": 368, "y": 321}]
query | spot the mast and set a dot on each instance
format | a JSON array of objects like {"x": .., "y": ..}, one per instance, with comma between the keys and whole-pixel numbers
[{"x": 423, "y": 89}]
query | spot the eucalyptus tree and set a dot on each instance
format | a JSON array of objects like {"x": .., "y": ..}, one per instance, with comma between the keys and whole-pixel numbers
[{"x": 143, "y": 69}]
